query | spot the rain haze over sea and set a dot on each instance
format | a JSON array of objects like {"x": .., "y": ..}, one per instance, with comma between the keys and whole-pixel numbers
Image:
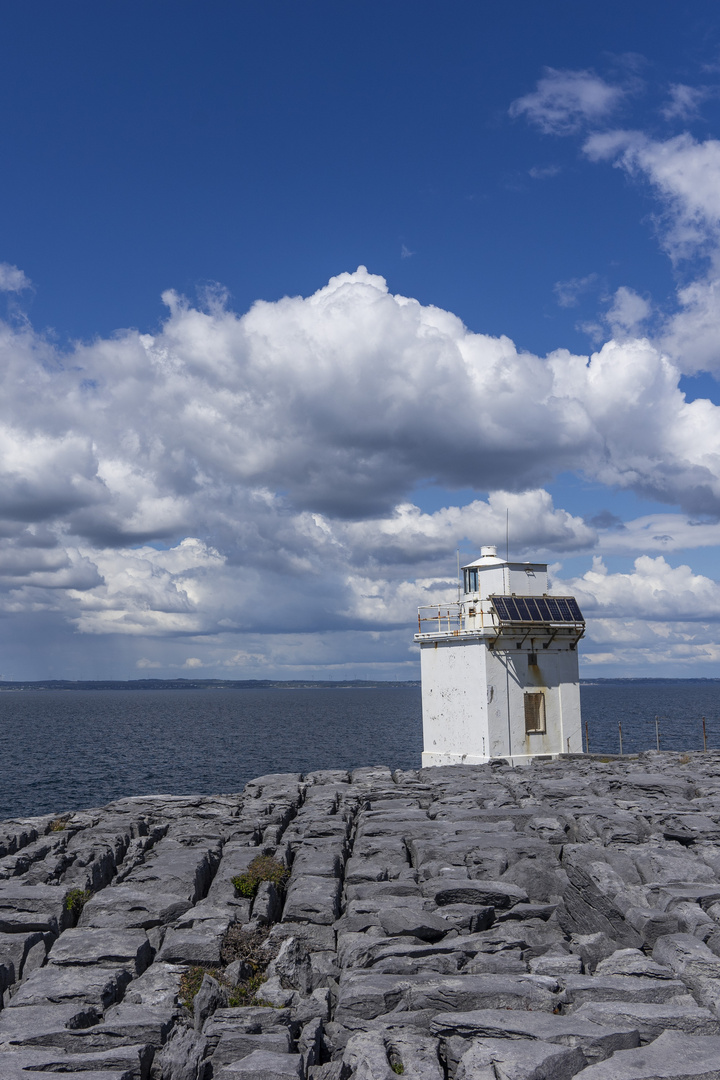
[{"x": 67, "y": 749}]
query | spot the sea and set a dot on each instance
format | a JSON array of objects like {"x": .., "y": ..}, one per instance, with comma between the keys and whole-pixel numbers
[{"x": 71, "y": 749}]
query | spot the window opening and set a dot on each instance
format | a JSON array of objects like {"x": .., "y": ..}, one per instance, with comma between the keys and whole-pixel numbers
[{"x": 534, "y": 713}]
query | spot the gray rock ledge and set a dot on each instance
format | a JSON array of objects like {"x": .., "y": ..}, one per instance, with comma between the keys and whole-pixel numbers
[{"x": 464, "y": 923}]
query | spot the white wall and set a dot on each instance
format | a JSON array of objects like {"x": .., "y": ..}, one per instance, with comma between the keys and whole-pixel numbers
[
  {"x": 454, "y": 702},
  {"x": 473, "y": 701}
]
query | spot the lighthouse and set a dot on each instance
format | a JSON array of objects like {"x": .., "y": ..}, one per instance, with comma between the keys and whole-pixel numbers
[{"x": 499, "y": 668}]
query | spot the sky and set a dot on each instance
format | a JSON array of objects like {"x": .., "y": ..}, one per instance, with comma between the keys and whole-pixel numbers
[{"x": 299, "y": 299}]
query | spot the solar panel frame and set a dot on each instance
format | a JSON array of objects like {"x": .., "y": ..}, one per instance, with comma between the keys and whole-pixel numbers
[{"x": 537, "y": 609}]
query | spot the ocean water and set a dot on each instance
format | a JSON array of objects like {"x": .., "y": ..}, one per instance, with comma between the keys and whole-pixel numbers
[
  {"x": 67, "y": 749},
  {"x": 63, "y": 750}
]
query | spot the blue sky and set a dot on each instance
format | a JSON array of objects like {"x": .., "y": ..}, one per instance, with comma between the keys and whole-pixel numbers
[{"x": 299, "y": 298}]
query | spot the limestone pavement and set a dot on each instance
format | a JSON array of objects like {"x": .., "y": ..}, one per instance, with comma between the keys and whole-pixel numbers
[{"x": 470, "y": 923}]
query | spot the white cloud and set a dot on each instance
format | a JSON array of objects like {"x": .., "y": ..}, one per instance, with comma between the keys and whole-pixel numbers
[
  {"x": 627, "y": 313},
  {"x": 685, "y": 101},
  {"x": 655, "y": 616},
  {"x": 565, "y": 101},
  {"x": 12, "y": 279},
  {"x": 685, "y": 175},
  {"x": 655, "y": 590},
  {"x": 568, "y": 292},
  {"x": 233, "y": 478}
]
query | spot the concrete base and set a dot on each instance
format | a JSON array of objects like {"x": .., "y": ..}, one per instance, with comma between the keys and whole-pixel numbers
[{"x": 431, "y": 760}]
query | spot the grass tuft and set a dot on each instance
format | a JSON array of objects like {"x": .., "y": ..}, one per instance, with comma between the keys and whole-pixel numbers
[
  {"x": 76, "y": 900},
  {"x": 262, "y": 868}
]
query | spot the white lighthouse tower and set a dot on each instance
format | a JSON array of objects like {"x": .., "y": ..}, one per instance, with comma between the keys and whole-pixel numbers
[{"x": 500, "y": 668}]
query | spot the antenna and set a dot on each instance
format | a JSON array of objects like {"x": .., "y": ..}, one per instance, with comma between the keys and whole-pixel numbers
[
  {"x": 458, "y": 573},
  {"x": 507, "y": 534}
]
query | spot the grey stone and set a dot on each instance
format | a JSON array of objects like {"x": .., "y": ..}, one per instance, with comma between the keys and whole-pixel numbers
[
  {"x": 320, "y": 859},
  {"x": 366, "y": 994},
  {"x": 591, "y": 948},
  {"x": 181, "y": 1056},
  {"x": 652, "y": 1019},
  {"x": 469, "y": 918},
  {"x": 250, "y": 1019},
  {"x": 404, "y": 921},
  {"x": 96, "y": 946},
  {"x": 120, "y": 1063},
  {"x": 232, "y": 1046},
  {"x": 632, "y": 962},
  {"x": 159, "y": 985},
  {"x": 580, "y": 988},
  {"x": 195, "y": 945},
  {"x": 312, "y": 899},
  {"x": 27, "y": 908},
  {"x": 521, "y": 1059},
  {"x": 264, "y": 1065},
  {"x": 46, "y": 1025},
  {"x": 595, "y": 1040},
  {"x": 508, "y": 962},
  {"x": 555, "y": 964},
  {"x": 267, "y": 905},
  {"x": 371, "y": 1055},
  {"x": 89, "y": 985},
  {"x": 123, "y": 907},
  {"x": 210, "y": 996},
  {"x": 672, "y": 1056},
  {"x": 497, "y": 894}
]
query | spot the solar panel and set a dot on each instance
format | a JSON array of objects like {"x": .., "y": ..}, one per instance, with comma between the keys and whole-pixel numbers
[{"x": 537, "y": 609}]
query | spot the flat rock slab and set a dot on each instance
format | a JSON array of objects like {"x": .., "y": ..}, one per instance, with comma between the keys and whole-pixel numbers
[
  {"x": 672, "y": 1056},
  {"x": 33, "y": 907},
  {"x": 195, "y": 945},
  {"x": 122, "y": 907},
  {"x": 234, "y": 1047},
  {"x": 519, "y": 1059},
  {"x": 97, "y": 946},
  {"x": 651, "y": 1020},
  {"x": 581, "y": 988},
  {"x": 497, "y": 894},
  {"x": 368, "y": 995},
  {"x": 597, "y": 1041},
  {"x": 264, "y": 1065},
  {"x": 313, "y": 899},
  {"x": 51, "y": 985},
  {"x": 131, "y": 1062},
  {"x": 45, "y": 1025}
]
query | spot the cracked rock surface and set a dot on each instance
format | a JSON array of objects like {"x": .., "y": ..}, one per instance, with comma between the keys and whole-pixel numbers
[{"x": 470, "y": 923}]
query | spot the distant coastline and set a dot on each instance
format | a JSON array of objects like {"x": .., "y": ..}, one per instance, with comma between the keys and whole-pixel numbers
[
  {"x": 205, "y": 684},
  {"x": 277, "y": 684}
]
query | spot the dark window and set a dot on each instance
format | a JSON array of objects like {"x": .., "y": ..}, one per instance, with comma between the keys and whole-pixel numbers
[
  {"x": 470, "y": 580},
  {"x": 534, "y": 713}
]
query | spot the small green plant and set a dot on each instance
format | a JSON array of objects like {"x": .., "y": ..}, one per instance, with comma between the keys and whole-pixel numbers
[
  {"x": 262, "y": 868},
  {"x": 191, "y": 981},
  {"x": 58, "y": 825},
  {"x": 76, "y": 900},
  {"x": 398, "y": 1067},
  {"x": 246, "y": 992}
]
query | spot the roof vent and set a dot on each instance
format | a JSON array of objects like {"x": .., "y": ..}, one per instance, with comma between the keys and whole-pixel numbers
[{"x": 489, "y": 551}]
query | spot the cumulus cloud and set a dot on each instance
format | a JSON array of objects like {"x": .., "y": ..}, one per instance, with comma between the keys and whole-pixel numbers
[
  {"x": 654, "y": 615},
  {"x": 627, "y": 313},
  {"x": 12, "y": 279},
  {"x": 236, "y": 472},
  {"x": 565, "y": 101}
]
